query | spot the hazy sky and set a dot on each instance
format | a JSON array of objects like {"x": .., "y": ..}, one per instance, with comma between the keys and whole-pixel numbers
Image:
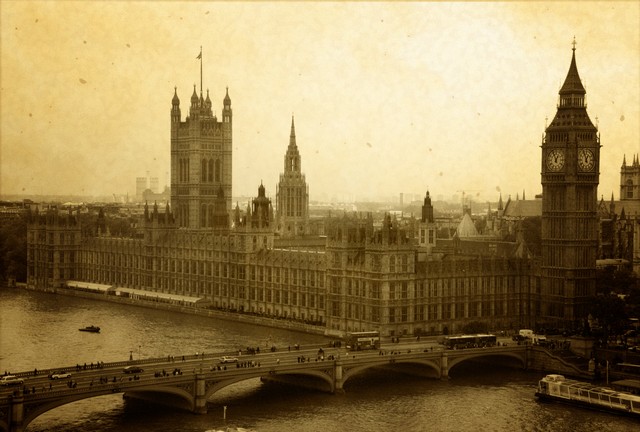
[{"x": 387, "y": 97}]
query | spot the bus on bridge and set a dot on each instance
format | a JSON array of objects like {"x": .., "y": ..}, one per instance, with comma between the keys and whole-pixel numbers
[
  {"x": 363, "y": 340},
  {"x": 470, "y": 341}
]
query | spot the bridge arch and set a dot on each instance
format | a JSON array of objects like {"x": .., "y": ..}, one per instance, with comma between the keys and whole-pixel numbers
[
  {"x": 519, "y": 356},
  {"x": 219, "y": 385},
  {"x": 429, "y": 365},
  {"x": 31, "y": 414}
]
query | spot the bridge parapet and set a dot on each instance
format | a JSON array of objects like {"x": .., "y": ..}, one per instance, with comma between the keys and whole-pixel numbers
[{"x": 200, "y": 379}]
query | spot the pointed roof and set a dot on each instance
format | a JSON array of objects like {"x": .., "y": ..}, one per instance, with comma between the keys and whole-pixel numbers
[
  {"x": 292, "y": 136},
  {"x": 466, "y": 228},
  {"x": 292, "y": 160},
  {"x": 261, "y": 192},
  {"x": 175, "y": 100},
  {"x": 194, "y": 96},
  {"x": 522, "y": 209},
  {"x": 572, "y": 108},
  {"x": 572, "y": 83}
]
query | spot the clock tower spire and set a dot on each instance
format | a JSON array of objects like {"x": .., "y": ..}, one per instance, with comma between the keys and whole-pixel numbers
[{"x": 570, "y": 177}]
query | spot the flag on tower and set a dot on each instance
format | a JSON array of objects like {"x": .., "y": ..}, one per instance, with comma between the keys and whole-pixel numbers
[{"x": 199, "y": 55}]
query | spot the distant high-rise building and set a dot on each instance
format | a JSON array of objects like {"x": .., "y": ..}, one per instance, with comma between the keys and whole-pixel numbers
[
  {"x": 154, "y": 185},
  {"x": 141, "y": 186}
]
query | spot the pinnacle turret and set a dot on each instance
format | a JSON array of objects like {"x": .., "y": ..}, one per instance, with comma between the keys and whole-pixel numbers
[
  {"x": 175, "y": 100},
  {"x": 194, "y": 97},
  {"x": 227, "y": 100}
]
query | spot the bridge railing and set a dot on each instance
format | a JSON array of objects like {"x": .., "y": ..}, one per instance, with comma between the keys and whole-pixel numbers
[
  {"x": 98, "y": 388},
  {"x": 152, "y": 360}
]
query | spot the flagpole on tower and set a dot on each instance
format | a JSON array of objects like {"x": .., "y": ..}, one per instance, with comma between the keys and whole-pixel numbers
[{"x": 200, "y": 57}]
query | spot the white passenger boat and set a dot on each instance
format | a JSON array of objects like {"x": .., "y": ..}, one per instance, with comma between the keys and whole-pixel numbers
[{"x": 558, "y": 388}]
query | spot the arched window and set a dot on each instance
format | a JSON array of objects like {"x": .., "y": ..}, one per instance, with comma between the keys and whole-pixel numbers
[
  {"x": 203, "y": 216},
  {"x": 210, "y": 171},
  {"x": 203, "y": 173},
  {"x": 629, "y": 189},
  {"x": 218, "y": 170},
  {"x": 211, "y": 210}
]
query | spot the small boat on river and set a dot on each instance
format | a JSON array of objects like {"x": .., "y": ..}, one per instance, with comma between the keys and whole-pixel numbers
[
  {"x": 559, "y": 389},
  {"x": 90, "y": 329}
]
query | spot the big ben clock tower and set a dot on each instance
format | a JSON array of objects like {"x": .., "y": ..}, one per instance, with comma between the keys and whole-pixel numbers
[{"x": 570, "y": 175}]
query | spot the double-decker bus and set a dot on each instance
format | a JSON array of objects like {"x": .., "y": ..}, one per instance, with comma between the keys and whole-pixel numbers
[
  {"x": 363, "y": 340},
  {"x": 469, "y": 341}
]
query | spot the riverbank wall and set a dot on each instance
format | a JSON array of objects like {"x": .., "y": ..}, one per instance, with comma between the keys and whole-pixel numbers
[
  {"x": 193, "y": 310},
  {"x": 541, "y": 359}
]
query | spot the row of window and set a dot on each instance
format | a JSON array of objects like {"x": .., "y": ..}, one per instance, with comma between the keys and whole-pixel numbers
[
  {"x": 64, "y": 238},
  {"x": 446, "y": 311}
]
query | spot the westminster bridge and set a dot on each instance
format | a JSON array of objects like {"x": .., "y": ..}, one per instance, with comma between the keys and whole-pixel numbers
[{"x": 189, "y": 381}]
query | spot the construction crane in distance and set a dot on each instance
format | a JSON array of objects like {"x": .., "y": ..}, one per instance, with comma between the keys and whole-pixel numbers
[{"x": 464, "y": 193}]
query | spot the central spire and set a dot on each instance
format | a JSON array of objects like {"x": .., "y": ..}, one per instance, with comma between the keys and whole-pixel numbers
[
  {"x": 292, "y": 136},
  {"x": 292, "y": 157}
]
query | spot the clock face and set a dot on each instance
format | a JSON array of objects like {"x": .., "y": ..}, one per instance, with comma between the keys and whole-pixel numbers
[
  {"x": 555, "y": 160},
  {"x": 586, "y": 160}
]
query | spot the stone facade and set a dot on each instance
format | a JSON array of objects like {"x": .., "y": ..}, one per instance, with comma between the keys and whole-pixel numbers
[{"x": 389, "y": 275}]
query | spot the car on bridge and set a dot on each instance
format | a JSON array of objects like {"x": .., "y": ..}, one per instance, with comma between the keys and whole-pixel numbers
[
  {"x": 59, "y": 375},
  {"x": 226, "y": 359},
  {"x": 132, "y": 369},
  {"x": 8, "y": 380}
]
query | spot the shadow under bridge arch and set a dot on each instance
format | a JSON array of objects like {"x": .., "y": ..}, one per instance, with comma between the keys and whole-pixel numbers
[
  {"x": 494, "y": 358},
  {"x": 427, "y": 368},
  {"x": 322, "y": 380}
]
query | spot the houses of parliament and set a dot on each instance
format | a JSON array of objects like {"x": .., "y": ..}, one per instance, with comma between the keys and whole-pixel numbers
[{"x": 394, "y": 276}]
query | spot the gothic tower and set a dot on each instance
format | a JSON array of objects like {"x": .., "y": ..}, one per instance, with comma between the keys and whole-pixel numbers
[
  {"x": 570, "y": 176},
  {"x": 292, "y": 194},
  {"x": 427, "y": 226},
  {"x": 200, "y": 162},
  {"x": 630, "y": 179}
]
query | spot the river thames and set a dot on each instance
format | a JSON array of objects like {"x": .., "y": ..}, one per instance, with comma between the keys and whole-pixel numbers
[{"x": 40, "y": 330}]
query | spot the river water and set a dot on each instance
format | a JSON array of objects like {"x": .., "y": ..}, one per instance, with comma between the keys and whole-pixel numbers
[{"x": 39, "y": 330}]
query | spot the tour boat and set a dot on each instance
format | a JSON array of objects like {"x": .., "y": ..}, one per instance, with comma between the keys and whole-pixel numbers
[
  {"x": 557, "y": 388},
  {"x": 92, "y": 329}
]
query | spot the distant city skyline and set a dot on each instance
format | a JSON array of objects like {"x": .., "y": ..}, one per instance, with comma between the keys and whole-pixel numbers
[{"x": 387, "y": 98}]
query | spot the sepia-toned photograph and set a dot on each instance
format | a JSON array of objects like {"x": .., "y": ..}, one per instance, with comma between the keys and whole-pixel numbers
[{"x": 258, "y": 216}]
